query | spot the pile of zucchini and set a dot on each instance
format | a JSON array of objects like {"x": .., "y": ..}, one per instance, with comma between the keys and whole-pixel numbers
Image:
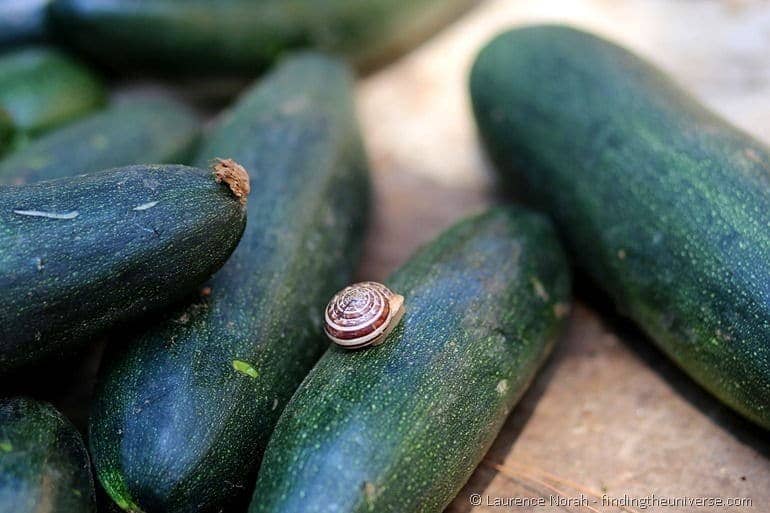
[{"x": 217, "y": 389}]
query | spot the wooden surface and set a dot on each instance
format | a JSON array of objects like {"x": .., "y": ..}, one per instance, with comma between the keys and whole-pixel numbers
[{"x": 608, "y": 413}]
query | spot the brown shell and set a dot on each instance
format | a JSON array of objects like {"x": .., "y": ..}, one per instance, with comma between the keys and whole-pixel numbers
[{"x": 359, "y": 314}]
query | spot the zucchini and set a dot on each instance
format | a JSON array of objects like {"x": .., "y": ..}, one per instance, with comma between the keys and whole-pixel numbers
[
  {"x": 401, "y": 426},
  {"x": 44, "y": 465},
  {"x": 241, "y": 36},
  {"x": 22, "y": 21},
  {"x": 135, "y": 131},
  {"x": 78, "y": 255},
  {"x": 180, "y": 427},
  {"x": 41, "y": 88},
  {"x": 663, "y": 204}
]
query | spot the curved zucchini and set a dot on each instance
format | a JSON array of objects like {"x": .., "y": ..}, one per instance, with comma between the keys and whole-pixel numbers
[
  {"x": 22, "y": 21},
  {"x": 78, "y": 255},
  {"x": 239, "y": 36},
  {"x": 138, "y": 130},
  {"x": 239, "y": 354},
  {"x": 44, "y": 465},
  {"x": 41, "y": 88},
  {"x": 401, "y": 426},
  {"x": 664, "y": 204}
]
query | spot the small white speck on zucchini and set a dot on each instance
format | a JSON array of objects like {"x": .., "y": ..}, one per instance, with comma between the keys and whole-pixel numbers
[
  {"x": 49, "y": 215},
  {"x": 145, "y": 206}
]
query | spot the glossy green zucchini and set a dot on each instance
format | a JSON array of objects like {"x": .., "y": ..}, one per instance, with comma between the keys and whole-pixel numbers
[
  {"x": 78, "y": 255},
  {"x": 181, "y": 426},
  {"x": 41, "y": 88},
  {"x": 44, "y": 465},
  {"x": 663, "y": 203},
  {"x": 242, "y": 36},
  {"x": 400, "y": 427},
  {"x": 134, "y": 131}
]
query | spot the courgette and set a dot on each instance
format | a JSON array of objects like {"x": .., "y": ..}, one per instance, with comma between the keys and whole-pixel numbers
[
  {"x": 134, "y": 131},
  {"x": 662, "y": 203},
  {"x": 242, "y": 36},
  {"x": 401, "y": 426},
  {"x": 180, "y": 426},
  {"x": 78, "y": 255},
  {"x": 22, "y": 21},
  {"x": 44, "y": 465},
  {"x": 41, "y": 88}
]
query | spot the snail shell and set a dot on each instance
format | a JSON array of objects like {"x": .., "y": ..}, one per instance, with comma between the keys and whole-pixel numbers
[{"x": 362, "y": 314}]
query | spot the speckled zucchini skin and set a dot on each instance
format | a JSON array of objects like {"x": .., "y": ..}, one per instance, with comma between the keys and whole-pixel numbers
[
  {"x": 400, "y": 427},
  {"x": 44, "y": 465},
  {"x": 242, "y": 36},
  {"x": 180, "y": 426},
  {"x": 41, "y": 88},
  {"x": 135, "y": 131},
  {"x": 664, "y": 204},
  {"x": 110, "y": 256},
  {"x": 22, "y": 21}
]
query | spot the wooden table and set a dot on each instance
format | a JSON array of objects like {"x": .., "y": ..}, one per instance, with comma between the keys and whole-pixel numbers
[{"x": 608, "y": 414}]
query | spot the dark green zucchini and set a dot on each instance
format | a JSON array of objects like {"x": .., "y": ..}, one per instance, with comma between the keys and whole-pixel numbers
[
  {"x": 135, "y": 131},
  {"x": 22, "y": 21},
  {"x": 44, "y": 465},
  {"x": 41, "y": 88},
  {"x": 401, "y": 426},
  {"x": 242, "y": 36},
  {"x": 180, "y": 427},
  {"x": 78, "y": 255},
  {"x": 664, "y": 204}
]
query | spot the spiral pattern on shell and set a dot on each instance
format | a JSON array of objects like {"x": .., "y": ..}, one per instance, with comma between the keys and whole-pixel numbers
[{"x": 358, "y": 314}]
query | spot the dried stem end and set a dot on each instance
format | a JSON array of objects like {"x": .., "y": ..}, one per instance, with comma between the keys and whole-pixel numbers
[{"x": 234, "y": 176}]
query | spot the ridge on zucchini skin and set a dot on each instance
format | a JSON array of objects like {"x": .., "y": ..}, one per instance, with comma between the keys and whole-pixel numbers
[
  {"x": 44, "y": 465},
  {"x": 79, "y": 255},
  {"x": 180, "y": 426},
  {"x": 41, "y": 88},
  {"x": 401, "y": 426},
  {"x": 661, "y": 202},
  {"x": 133, "y": 131}
]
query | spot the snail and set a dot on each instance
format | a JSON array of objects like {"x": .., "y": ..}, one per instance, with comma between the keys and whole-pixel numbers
[{"x": 362, "y": 314}]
